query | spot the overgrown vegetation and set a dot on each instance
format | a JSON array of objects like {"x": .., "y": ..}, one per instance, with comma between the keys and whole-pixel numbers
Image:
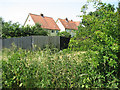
[
  {"x": 99, "y": 32},
  {"x": 91, "y": 61},
  {"x": 10, "y": 29},
  {"x": 47, "y": 69},
  {"x": 64, "y": 34}
]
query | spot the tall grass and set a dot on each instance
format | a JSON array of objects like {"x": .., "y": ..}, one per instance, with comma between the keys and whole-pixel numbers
[{"x": 49, "y": 69}]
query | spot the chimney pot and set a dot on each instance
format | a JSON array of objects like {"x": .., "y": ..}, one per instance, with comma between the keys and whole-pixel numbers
[
  {"x": 66, "y": 19},
  {"x": 41, "y": 15}
]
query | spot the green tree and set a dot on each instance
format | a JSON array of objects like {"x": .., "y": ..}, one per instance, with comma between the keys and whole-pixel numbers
[
  {"x": 10, "y": 29},
  {"x": 101, "y": 31}
]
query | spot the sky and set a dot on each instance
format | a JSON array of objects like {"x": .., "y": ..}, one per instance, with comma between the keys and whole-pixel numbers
[{"x": 18, "y": 10}]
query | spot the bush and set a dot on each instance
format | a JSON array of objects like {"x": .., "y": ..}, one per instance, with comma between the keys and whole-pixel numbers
[
  {"x": 10, "y": 29},
  {"x": 102, "y": 28},
  {"x": 77, "y": 44},
  {"x": 64, "y": 34}
]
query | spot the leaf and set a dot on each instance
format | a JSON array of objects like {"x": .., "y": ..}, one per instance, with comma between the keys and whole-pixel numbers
[{"x": 20, "y": 84}]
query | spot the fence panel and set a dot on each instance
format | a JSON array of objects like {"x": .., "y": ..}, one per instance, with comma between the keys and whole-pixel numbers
[
  {"x": 40, "y": 41},
  {"x": 0, "y": 44},
  {"x": 54, "y": 41},
  {"x": 64, "y": 42},
  {"x": 7, "y": 43},
  {"x": 26, "y": 42},
  {"x": 43, "y": 41},
  {"x": 22, "y": 42}
]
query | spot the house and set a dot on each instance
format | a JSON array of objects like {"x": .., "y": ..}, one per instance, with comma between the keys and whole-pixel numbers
[
  {"x": 68, "y": 25},
  {"x": 47, "y": 23}
]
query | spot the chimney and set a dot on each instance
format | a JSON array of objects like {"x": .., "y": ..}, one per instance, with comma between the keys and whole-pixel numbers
[
  {"x": 71, "y": 20},
  {"x": 41, "y": 15},
  {"x": 66, "y": 19}
]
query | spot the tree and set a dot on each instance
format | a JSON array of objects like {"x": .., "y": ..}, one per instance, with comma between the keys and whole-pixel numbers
[
  {"x": 10, "y": 29},
  {"x": 101, "y": 31}
]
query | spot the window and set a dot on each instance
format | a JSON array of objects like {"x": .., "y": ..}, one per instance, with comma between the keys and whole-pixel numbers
[
  {"x": 67, "y": 30},
  {"x": 52, "y": 31},
  {"x": 57, "y": 31}
]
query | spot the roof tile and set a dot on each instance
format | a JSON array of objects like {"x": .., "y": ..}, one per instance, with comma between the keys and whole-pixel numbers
[
  {"x": 69, "y": 24},
  {"x": 46, "y": 22}
]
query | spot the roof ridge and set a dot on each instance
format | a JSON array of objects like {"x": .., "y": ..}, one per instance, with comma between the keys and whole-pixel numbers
[
  {"x": 76, "y": 21},
  {"x": 39, "y": 15},
  {"x": 69, "y": 20},
  {"x": 68, "y": 25}
]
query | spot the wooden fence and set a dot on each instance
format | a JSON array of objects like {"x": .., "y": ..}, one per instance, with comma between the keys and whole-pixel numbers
[
  {"x": 0, "y": 44},
  {"x": 32, "y": 42}
]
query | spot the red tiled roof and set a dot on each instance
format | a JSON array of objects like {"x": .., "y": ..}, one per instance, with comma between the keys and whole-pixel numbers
[
  {"x": 46, "y": 22},
  {"x": 69, "y": 24},
  {"x": 77, "y": 23}
]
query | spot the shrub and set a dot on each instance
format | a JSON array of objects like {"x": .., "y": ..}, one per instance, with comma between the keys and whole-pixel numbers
[
  {"x": 102, "y": 28},
  {"x": 64, "y": 34},
  {"x": 10, "y": 29}
]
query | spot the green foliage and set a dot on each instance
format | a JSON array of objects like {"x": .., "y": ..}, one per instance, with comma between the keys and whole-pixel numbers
[
  {"x": 82, "y": 41},
  {"x": 103, "y": 19},
  {"x": 53, "y": 69},
  {"x": 64, "y": 34},
  {"x": 10, "y": 29},
  {"x": 41, "y": 69},
  {"x": 96, "y": 66},
  {"x": 99, "y": 32}
]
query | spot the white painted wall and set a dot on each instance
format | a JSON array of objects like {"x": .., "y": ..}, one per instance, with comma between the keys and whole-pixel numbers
[
  {"x": 60, "y": 25},
  {"x": 54, "y": 33},
  {"x": 63, "y": 29},
  {"x": 29, "y": 21},
  {"x": 72, "y": 32}
]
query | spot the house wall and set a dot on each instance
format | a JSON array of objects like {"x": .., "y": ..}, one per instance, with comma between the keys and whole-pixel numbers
[
  {"x": 29, "y": 21},
  {"x": 60, "y": 26},
  {"x": 52, "y": 32},
  {"x": 72, "y": 32}
]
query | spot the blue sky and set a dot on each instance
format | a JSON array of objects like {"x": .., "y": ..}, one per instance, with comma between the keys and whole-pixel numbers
[{"x": 17, "y": 10}]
